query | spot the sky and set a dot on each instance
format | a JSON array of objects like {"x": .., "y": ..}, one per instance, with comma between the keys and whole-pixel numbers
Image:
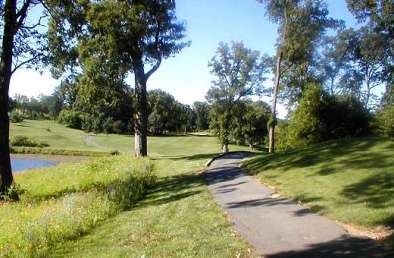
[{"x": 208, "y": 22}]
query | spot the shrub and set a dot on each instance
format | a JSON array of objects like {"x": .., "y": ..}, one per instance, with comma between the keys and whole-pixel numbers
[
  {"x": 385, "y": 121},
  {"x": 320, "y": 117},
  {"x": 70, "y": 118},
  {"x": 16, "y": 117},
  {"x": 23, "y": 141}
]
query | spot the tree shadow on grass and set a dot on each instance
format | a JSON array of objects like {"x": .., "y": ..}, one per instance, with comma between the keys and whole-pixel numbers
[
  {"x": 324, "y": 154},
  {"x": 343, "y": 247},
  {"x": 377, "y": 191},
  {"x": 171, "y": 189}
]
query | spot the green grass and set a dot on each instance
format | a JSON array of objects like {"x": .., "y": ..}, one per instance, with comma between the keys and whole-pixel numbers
[
  {"x": 178, "y": 218},
  {"x": 89, "y": 210},
  {"x": 61, "y": 138},
  {"x": 348, "y": 180},
  {"x": 65, "y": 202}
]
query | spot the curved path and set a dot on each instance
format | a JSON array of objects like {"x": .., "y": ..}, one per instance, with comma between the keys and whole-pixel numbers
[{"x": 277, "y": 227}]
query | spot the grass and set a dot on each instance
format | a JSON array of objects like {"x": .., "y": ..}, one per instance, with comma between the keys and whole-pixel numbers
[
  {"x": 349, "y": 180},
  {"x": 65, "y": 202},
  {"x": 63, "y": 140},
  {"x": 178, "y": 218},
  {"x": 93, "y": 209}
]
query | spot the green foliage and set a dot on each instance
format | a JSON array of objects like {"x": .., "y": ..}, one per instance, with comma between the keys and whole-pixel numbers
[
  {"x": 249, "y": 123},
  {"x": 166, "y": 115},
  {"x": 320, "y": 117},
  {"x": 385, "y": 121},
  {"x": 16, "y": 117},
  {"x": 24, "y": 141},
  {"x": 62, "y": 203},
  {"x": 71, "y": 118},
  {"x": 239, "y": 73},
  {"x": 201, "y": 110}
]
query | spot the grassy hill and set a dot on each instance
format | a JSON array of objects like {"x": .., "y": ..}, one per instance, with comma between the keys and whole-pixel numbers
[
  {"x": 348, "y": 180},
  {"x": 105, "y": 207},
  {"x": 61, "y": 137}
]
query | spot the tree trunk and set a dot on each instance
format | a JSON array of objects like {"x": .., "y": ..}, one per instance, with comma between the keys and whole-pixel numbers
[
  {"x": 6, "y": 178},
  {"x": 225, "y": 148},
  {"x": 141, "y": 116},
  {"x": 271, "y": 146}
]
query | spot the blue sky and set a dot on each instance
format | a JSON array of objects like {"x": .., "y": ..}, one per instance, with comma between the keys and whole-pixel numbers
[{"x": 209, "y": 22}]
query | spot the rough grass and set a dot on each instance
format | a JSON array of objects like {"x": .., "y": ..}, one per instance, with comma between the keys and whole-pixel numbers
[
  {"x": 67, "y": 201},
  {"x": 177, "y": 218},
  {"x": 349, "y": 180}
]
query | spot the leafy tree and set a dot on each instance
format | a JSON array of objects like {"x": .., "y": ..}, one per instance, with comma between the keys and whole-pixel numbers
[
  {"x": 21, "y": 45},
  {"x": 166, "y": 115},
  {"x": 239, "y": 73},
  {"x": 134, "y": 35},
  {"x": 366, "y": 58},
  {"x": 249, "y": 124},
  {"x": 320, "y": 117},
  {"x": 295, "y": 53},
  {"x": 201, "y": 109}
]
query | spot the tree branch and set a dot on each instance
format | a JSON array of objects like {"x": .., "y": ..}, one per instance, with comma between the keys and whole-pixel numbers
[
  {"x": 23, "y": 63},
  {"x": 22, "y": 14}
]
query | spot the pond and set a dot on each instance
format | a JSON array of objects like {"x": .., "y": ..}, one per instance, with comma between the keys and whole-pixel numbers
[{"x": 19, "y": 165}]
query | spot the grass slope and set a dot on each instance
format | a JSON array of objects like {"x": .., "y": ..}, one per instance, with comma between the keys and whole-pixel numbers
[
  {"x": 349, "y": 180},
  {"x": 60, "y": 137}
]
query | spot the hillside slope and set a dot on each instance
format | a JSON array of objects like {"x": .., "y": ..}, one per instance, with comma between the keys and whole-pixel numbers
[{"x": 348, "y": 180}]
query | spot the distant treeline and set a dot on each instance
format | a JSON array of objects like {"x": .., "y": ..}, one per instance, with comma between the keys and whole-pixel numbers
[{"x": 112, "y": 112}]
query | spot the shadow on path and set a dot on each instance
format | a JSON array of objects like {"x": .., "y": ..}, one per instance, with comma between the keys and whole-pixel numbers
[{"x": 277, "y": 227}]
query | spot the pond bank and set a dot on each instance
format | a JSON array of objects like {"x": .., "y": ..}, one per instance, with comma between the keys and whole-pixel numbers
[{"x": 55, "y": 158}]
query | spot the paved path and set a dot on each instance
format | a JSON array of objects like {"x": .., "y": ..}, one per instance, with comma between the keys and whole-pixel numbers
[{"x": 277, "y": 227}]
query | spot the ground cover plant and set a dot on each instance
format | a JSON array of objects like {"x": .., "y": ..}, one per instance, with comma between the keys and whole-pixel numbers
[
  {"x": 65, "y": 202},
  {"x": 351, "y": 180}
]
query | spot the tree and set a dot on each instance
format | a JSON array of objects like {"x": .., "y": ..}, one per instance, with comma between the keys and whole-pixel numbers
[
  {"x": 249, "y": 124},
  {"x": 239, "y": 73},
  {"x": 138, "y": 35},
  {"x": 201, "y": 109},
  {"x": 20, "y": 46},
  {"x": 295, "y": 53},
  {"x": 366, "y": 62}
]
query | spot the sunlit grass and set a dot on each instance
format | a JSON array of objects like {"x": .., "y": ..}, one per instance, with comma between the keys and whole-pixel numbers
[
  {"x": 67, "y": 201},
  {"x": 350, "y": 180}
]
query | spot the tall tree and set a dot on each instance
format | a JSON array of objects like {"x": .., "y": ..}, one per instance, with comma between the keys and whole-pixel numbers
[
  {"x": 137, "y": 34},
  {"x": 20, "y": 46},
  {"x": 201, "y": 110},
  {"x": 239, "y": 73},
  {"x": 294, "y": 52}
]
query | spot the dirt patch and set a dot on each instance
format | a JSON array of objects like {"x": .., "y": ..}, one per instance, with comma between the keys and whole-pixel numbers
[{"x": 380, "y": 233}]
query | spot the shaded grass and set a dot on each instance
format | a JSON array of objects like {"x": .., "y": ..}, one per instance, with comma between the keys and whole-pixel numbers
[
  {"x": 177, "y": 218},
  {"x": 348, "y": 180}
]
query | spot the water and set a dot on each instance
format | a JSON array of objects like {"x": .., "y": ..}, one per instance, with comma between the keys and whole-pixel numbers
[{"x": 19, "y": 165}]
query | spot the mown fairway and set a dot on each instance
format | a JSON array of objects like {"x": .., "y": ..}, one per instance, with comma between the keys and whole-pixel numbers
[
  {"x": 349, "y": 180},
  {"x": 61, "y": 137}
]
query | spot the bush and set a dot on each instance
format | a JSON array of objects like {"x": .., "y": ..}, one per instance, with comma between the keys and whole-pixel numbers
[
  {"x": 320, "y": 117},
  {"x": 16, "y": 117},
  {"x": 71, "y": 118},
  {"x": 385, "y": 121},
  {"x": 23, "y": 141}
]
